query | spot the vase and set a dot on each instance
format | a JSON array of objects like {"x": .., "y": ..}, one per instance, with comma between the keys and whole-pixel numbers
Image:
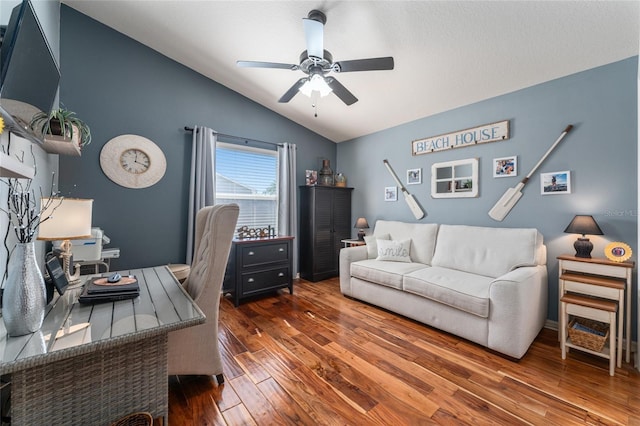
[
  {"x": 341, "y": 180},
  {"x": 326, "y": 174},
  {"x": 25, "y": 296}
]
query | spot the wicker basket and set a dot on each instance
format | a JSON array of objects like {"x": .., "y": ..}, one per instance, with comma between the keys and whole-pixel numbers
[
  {"x": 585, "y": 339},
  {"x": 135, "y": 419}
]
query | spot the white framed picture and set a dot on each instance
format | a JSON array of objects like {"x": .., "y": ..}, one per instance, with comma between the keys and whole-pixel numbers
[
  {"x": 414, "y": 176},
  {"x": 505, "y": 166},
  {"x": 555, "y": 183},
  {"x": 391, "y": 193}
]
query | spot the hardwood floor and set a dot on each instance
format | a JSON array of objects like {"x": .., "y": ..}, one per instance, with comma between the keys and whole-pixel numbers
[{"x": 319, "y": 358}]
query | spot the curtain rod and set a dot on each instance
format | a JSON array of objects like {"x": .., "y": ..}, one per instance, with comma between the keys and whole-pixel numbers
[{"x": 190, "y": 129}]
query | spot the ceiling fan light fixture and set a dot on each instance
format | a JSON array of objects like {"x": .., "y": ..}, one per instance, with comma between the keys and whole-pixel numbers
[{"x": 315, "y": 83}]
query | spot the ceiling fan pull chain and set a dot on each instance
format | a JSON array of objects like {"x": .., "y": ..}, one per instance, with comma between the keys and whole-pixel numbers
[{"x": 315, "y": 96}]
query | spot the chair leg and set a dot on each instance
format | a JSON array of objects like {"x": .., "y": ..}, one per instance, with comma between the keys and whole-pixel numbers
[{"x": 220, "y": 378}]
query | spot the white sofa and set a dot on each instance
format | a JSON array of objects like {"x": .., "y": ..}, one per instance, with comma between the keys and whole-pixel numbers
[{"x": 487, "y": 285}]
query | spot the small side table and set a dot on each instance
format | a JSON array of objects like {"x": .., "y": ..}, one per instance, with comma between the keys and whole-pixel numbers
[
  {"x": 353, "y": 243},
  {"x": 603, "y": 278}
]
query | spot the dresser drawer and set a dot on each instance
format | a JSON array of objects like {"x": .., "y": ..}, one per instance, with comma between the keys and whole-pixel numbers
[
  {"x": 265, "y": 280},
  {"x": 264, "y": 253}
]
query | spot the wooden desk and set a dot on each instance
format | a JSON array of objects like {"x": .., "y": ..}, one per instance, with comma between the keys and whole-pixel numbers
[
  {"x": 602, "y": 278},
  {"x": 92, "y": 364}
]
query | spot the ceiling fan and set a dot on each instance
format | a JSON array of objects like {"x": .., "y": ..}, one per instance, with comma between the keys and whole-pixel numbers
[{"x": 317, "y": 63}]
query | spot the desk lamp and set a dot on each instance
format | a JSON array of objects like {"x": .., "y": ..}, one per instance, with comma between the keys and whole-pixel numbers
[
  {"x": 583, "y": 224},
  {"x": 69, "y": 219},
  {"x": 362, "y": 224}
]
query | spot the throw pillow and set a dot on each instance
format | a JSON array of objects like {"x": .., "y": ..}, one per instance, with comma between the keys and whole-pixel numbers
[
  {"x": 396, "y": 251},
  {"x": 372, "y": 247}
]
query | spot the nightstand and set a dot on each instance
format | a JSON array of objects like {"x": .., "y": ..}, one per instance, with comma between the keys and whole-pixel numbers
[
  {"x": 353, "y": 243},
  {"x": 603, "y": 279}
]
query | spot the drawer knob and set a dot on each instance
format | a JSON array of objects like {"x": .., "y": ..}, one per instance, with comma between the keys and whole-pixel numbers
[
  {"x": 281, "y": 274},
  {"x": 250, "y": 280},
  {"x": 281, "y": 249},
  {"x": 251, "y": 253}
]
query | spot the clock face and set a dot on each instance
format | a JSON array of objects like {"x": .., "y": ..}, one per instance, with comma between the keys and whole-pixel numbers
[{"x": 133, "y": 161}]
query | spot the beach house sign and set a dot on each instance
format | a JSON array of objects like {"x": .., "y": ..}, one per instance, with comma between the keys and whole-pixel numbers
[{"x": 487, "y": 133}]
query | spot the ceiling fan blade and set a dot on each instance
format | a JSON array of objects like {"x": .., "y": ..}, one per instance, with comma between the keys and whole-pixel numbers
[
  {"x": 256, "y": 64},
  {"x": 373, "y": 64},
  {"x": 340, "y": 91},
  {"x": 292, "y": 91},
  {"x": 314, "y": 34}
]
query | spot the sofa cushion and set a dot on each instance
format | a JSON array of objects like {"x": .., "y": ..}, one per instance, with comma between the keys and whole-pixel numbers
[
  {"x": 461, "y": 290},
  {"x": 422, "y": 235},
  {"x": 491, "y": 252},
  {"x": 383, "y": 272},
  {"x": 394, "y": 251},
  {"x": 372, "y": 245}
]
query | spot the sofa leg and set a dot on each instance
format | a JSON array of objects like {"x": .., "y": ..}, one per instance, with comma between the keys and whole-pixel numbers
[{"x": 220, "y": 378}]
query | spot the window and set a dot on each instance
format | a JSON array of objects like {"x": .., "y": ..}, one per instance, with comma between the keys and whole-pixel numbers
[
  {"x": 457, "y": 179},
  {"x": 248, "y": 176}
]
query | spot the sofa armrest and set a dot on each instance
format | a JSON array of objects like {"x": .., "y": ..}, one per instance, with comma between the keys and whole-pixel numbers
[
  {"x": 518, "y": 309},
  {"x": 347, "y": 256}
]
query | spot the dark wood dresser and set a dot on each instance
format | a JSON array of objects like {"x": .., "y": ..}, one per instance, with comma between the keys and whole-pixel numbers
[{"x": 259, "y": 265}]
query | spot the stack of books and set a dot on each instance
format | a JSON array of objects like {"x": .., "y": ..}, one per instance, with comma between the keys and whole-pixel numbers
[{"x": 100, "y": 290}]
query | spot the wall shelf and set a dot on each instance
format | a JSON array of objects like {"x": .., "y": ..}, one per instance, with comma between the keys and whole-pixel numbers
[
  {"x": 11, "y": 167},
  {"x": 61, "y": 145}
]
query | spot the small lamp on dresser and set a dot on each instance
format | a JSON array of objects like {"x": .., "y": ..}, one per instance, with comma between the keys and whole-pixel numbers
[
  {"x": 361, "y": 224},
  {"x": 583, "y": 224}
]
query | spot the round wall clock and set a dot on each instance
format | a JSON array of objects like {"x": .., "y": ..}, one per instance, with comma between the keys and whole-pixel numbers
[
  {"x": 133, "y": 161},
  {"x": 618, "y": 251}
]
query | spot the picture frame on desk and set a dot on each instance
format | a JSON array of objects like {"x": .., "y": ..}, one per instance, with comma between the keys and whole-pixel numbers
[
  {"x": 618, "y": 251},
  {"x": 56, "y": 274},
  {"x": 311, "y": 177}
]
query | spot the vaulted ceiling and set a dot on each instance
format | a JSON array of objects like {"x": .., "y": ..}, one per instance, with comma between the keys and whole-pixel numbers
[{"x": 447, "y": 53}]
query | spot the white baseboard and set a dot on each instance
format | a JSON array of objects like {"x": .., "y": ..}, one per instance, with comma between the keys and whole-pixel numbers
[{"x": 550, "y": 324}]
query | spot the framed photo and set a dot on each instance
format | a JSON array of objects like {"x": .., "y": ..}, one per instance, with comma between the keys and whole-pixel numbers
[
  {"x": 391, "y": 193},
  {"x": 56, "y": 274},
  {"x": 311, "y": 177},
  {"x": 555, "y": 183},
  {"x": 618, "y": 251},
  {"x": 414, "y": 176},
  {"x": 505, "y": 166}
]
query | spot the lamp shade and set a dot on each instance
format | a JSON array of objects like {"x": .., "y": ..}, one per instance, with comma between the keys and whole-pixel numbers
[
  {"x": 583, "y": 224},
  {"x": 315, "y": 83},
  {"x": 361, "y": 223},
  {"x": 65, "y": 218}
]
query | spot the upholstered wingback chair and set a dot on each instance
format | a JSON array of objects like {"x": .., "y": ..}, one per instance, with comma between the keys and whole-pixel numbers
[{"x": 194, "y": 350}]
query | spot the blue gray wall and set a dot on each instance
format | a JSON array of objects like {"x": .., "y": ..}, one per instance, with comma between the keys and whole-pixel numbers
[
  {"x": 119, "y": 86},
  {"x": 600, "y": 152}
]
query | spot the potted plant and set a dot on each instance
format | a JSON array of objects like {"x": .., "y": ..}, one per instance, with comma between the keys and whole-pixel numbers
[{"x": 63, "y": 123}]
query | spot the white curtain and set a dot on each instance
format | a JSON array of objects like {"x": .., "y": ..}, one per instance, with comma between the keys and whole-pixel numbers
[
  {"x": 202, "y": 183},
  {"x": 287, "y": 190}
]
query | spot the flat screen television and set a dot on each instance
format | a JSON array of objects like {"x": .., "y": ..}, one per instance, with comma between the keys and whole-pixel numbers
[{"x": 29, "y": 73}]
